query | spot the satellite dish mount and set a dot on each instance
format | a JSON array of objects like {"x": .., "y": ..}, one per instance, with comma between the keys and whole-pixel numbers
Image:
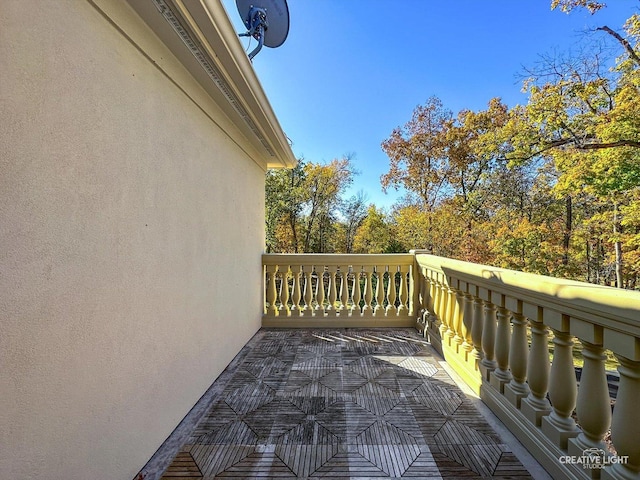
[
  {"x": 271, "y": 31},
  {"x": 257, "y": 24}
]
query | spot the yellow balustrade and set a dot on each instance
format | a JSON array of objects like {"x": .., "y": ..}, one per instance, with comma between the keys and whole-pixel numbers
[
  {"x": 323, "y": 290},
  {"x": 493, "y": 327},
  {"x": 510, "y": 367}
]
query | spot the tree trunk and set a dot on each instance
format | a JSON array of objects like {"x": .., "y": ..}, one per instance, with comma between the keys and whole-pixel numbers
[
  {"x": 588, "y": 257},
  {"x": 566, "y": 241},
  {"x": 294, "y": 232},
  {"x": 617, "y": 246}
]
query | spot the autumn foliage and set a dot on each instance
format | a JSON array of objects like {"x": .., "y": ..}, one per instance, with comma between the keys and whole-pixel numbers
[{"x": 549, "y": 187}]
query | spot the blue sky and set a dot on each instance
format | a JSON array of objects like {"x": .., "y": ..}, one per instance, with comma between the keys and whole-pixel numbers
[{"x": 351, "y": 71}]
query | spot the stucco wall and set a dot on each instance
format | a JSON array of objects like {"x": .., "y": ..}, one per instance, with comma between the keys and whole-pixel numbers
[{"x": 131, "y": 229}]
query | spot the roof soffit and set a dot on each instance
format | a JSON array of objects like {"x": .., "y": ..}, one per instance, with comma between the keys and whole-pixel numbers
[{"x": 201, "y": 36}]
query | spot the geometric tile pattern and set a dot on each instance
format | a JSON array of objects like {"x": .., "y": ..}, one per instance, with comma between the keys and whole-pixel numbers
[{"x": 342, "y": 403}]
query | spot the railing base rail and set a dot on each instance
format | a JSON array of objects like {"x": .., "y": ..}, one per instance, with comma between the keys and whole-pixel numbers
[
  {"x": 337, "y": 322},
  {"x": 544, "y": 451}
]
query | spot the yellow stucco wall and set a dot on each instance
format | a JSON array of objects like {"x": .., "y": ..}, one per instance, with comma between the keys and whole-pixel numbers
[{"x": 131, "y": 233}]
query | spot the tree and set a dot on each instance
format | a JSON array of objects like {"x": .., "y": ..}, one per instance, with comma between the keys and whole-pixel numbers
[
  {"x": 323, "y": 186},
  {"x": 374, "y": 234},
  {"x": 354, "y": 211},
  {"x": 552, "y": 186},
  {"x": 414, "y": 227},
  {"x": 631, "y": 237},
  {"x": 568, "y": 5},
  {"x": 444, "y": 160},
  {"x": 303, "y": 205},
  {"x": 417, "y": 154},
  {"x": 584, "y": 117},
  {"x": 284, "y": 203}
]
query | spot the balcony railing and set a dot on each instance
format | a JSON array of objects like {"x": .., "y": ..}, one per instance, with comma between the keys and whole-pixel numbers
[
  {"x": 493, "y": 326},
  {"x": 339, "y": 290}
]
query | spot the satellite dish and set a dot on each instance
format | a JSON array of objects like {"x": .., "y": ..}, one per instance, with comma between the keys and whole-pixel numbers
[{"x": 266, "y": 20}]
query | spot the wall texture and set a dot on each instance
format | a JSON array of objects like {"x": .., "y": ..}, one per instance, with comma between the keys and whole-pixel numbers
[{"x": 131, "y": 233}]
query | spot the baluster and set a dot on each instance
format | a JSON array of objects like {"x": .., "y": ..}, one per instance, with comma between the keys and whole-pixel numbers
[
  {"x": 443, "y": 301},
  {"x": 466, "y": 323},
  {"x": 368, "y": 291},
  {"x": 272, "y": 293},
  {"x": 391, "y": 292},
  {"x": 437, "y": 304},
  {"x": 332, "y": 289},
  {"x": 476, "y": 327},
  {"x": 412, "y": 290},
  {"x": 320, "y": 290},
  {"x": 344, "y": 289},
  {"x": 431, "y": 302},
  {"x": 502, "y": 375},
  {"x": 297, "y": 292},
  {"x": 594, "y": 405},
  {"x": 536, "y": 405},
  {"x": 517, "y": 388},
  {"x": 433, "y": 287},
  {"x": 284, "y": 292},
  {"x": 379, "y": 310},
  {"x": 423, "y": 298},
  {"x": 625, "y": 427},
  {"x": 436, "y": 288},
  {"x": 403, "y": 289},
  {"x": 307, "y": 311},
  {"x": 357, "y": 294},
  {"x": 559, "y": 426},
  {"x": 420, "y": 297},
  {"x": 458, "y": 309},
  {"x": 436, "y": 296},
  {"x": 488, "y": 363},
  {"x": 425, "y": 318},
  {"x": 449, "y": 313}
]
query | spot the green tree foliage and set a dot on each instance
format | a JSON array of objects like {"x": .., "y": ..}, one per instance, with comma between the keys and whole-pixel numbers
[
  {"x": 417, "y": 154},
  {"x": 323, "y": 187},
  {"x": 446, "y": 163},
  {"x": 354, "y": 211},
  {"x": 303, "y": 205},
  {"x": 374, "y": 234},
  {"x": 285, "y": 199},
  {"x": 549, "y": 187}
]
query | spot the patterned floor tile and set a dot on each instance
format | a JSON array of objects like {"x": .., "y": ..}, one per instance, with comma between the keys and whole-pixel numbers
[
  {"x": 368, "y": 367},
  {"x": 342, "y": 404},
  {"x": 316, "y": 367},
  {"x": 375, "y": 398},
  {"x": 250, "y": 397},
  {"x": 437, "y": 397},
  {"x": 346, "y": 420},
  {"x": 343, "y": 381}
]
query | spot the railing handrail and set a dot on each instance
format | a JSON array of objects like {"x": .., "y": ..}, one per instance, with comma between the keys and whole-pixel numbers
[
  {"x": 610, "y": 307},
  {"x": 344, "y": 258}
]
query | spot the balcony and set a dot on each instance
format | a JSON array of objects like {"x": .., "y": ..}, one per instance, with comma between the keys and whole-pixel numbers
[{"x": 494, "y": 328}]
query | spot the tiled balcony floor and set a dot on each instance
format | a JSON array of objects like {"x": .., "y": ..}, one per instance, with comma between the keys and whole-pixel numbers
[{"x": 342, "y": 403}]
